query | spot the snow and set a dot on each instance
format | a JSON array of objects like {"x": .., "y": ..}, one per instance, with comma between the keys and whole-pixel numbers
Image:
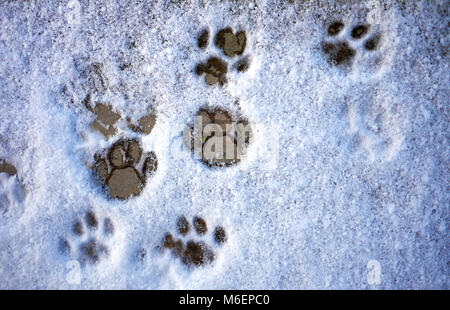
[{"x": 345, "y": 185}]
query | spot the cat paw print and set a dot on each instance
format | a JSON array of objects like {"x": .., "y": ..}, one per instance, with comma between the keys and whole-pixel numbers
[
  {"x": 12, "y": 192},
  {"x": 217, "y": 138},
  {"x": 90, "y": 239},
  {"x": 123, "y": 169},
  {"x": 231, "y": 44},
  {"x": 342, "y": 44},
  {"x": 193, "y": 253},
  {"x": 374, "y": 129}
]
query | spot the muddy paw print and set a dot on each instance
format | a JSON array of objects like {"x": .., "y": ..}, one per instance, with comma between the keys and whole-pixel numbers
[
  {"x": 217, "y": 137},
  {"x": 231, "y": 44},
  {"x": 123, "y": 169},
  {"x": 341, "y": 45},
  {"x": 193, "y": 253},
  {"x": 90, "y": 237}
]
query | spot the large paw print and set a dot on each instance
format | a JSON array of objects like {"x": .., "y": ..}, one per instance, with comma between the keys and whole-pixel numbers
[
  {"x": 193, "y": 253},
  {"x": 217, "y": 138},
  {"x": 90, "y": 238},
  {"x": 341, "y": 47},
  {"x": 123, "y": 169},
  {"x": 231, "y": 44}
]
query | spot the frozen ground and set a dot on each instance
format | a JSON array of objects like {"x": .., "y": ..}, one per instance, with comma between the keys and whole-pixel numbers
[{"x": 345, "y": 186}]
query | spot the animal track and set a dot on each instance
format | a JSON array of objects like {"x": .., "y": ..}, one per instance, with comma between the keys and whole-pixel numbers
[
  {"x": 193, "y": 253},
  {"x": 144, "y": 125},
  {"x": 218, "y": 139},
  {"x": 90, "y": 237},
  {"x": 106, "y": 119},
  {"x": 123, "y": 169},
  {"x": 12, "y": 192},
  {"x": 231, "y": 44},
  {"x": 340, "y": 50},
  {"x": 374, "y": 129}
]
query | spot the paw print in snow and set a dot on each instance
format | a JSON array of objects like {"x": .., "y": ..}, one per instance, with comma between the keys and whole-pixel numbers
[
  {"x": 12, "y": 192},
  {"x": 105, "y": 120},
  {"x": 123, "y": 170},
  {"x": 218, "y": 138},
  {"x": 341, "y": 49},
  {"x": 91, "y": 237},
  {"x": 231, "y": 44},
  {"x": 193, "y": 253},
  {"x": 375, "y": 129}
]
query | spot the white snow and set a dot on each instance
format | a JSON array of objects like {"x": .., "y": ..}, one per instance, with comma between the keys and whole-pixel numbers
[{"x": 345, "y": 185}]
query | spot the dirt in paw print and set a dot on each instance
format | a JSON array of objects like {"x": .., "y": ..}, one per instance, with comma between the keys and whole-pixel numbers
[
  {"x": 218, "y": 138},
  {"x": 106, "y": 119},
  {"x": 214, "y": 69},
  {"x": 193, "y": 253},
  {"x": 144, "y": 125},
  {"x": 341, "y": 47},
  {"x": 8, "y": 168},
  {"x": 231, "y": 44},
  {"x": 123, "y": 169},
  {"x": 89, "y": 238}
]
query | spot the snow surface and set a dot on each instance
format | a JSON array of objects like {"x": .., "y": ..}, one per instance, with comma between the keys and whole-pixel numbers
[{"x": 351, "y": 190}]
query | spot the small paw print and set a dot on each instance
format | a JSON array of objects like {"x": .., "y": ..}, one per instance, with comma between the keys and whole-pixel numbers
[
  {"x": 231, "y": 44},
  {"x": 217, "y": 137},
  {"x": 90, "y": 237},
  {"x": 193, "y": 253},
  {"x": 341, "y": 47},
  {"x": 123, "y": 169},
  {"x": 374, "y": 129}
]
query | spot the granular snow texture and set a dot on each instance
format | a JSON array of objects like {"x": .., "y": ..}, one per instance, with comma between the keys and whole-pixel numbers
[{"x": 345, "y": 184}]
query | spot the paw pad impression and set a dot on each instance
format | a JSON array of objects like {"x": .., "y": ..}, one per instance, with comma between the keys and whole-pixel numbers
[
  {"x": 93, "y": 249},
  {"x": 123, "y": 168},
  {"x": 339, "y": 50}
]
